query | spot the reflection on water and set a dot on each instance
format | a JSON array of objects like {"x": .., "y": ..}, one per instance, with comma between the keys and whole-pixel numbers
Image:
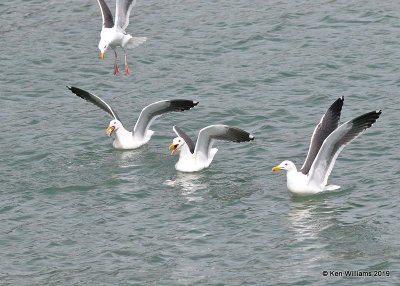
[
  {"x": 308, "y": 218},
  {"x": 128, "y": 158},
  {"x": 188, "y": 183},
  {"x": 301, "y": 219},
  {"x": 317, "y": 224}
]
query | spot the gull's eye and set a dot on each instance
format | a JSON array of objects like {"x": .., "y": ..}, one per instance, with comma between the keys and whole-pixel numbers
[{"x": 285, "y": 164}]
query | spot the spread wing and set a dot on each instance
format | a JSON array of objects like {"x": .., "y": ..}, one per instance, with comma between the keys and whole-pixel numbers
[
  {"x": 334, "y": 144},
  {"x": 185, "y": 137},
  {"x": 329, "y": 122},
  {"x": 209, "y": 134},
  {"x": 123, "y": 10},
  {"x": 95, "y": 100},
  {"x": 108, "y": 21},
  {"x": 156, "y": 109}
]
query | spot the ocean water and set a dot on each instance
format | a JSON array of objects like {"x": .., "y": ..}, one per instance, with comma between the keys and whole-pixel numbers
[{"x": 74, "y": 211}]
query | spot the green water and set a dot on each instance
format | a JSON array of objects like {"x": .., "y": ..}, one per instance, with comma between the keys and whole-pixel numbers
[{"x": 74, "y": 211}]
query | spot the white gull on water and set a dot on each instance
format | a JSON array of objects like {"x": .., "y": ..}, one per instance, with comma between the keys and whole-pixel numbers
[
  {"x": 327, "y": 141},
  {"x": 113, "y": 33},
  {"x": 141, "y": 134},
  {"x": 193, "y": 157}
]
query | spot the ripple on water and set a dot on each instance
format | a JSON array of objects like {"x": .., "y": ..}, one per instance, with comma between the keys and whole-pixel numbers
[{"x": 74, "y": 211}]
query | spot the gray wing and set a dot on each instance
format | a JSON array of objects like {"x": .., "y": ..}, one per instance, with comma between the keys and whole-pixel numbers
[
  {"x": 329, "y": 122},
  {"x": 209, "y": 134},
  {"x": 108, "y": 21},
  {"x": 185, "y": 137},
  {"x": 94, "y": 99},
  {"x": 156, "y": 109},
  {"x": 334, "y": 144},
  {"x": 123, "y": 10}
]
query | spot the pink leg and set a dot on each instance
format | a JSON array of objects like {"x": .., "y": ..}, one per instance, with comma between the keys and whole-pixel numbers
[
  {"x": 116, "y": 70},
  {"x": 126, "y": 64}
]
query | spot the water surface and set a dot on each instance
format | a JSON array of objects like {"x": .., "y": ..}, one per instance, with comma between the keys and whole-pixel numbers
[{"x": 76, "y": 212}]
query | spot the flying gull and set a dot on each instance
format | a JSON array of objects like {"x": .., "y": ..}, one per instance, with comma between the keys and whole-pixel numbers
[
  {"x": 141, "y": 134},
  {"x": 113, "y": 33},
  {"x": 327, "y": 141},
  {"x": 193, "y": 157}
]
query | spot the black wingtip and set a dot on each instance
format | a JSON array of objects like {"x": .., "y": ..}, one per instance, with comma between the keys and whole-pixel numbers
[
  {"x": 335, "y": 110},
  {"x": 238, "y": 135},
  {"x": 337, "y": 105},
  {"x": 368, "y": 119},
  {"x": 183, "y": 104},
  {"x": 72, "y": 89},
  {"x": 75, "y": 89}
]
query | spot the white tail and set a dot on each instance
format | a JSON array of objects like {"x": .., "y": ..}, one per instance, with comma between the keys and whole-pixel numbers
[
  {"x": 331, "y": 188},
  {"x": 135, "y": 41}
]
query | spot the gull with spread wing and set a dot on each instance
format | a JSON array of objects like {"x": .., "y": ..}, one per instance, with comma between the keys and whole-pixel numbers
[
  {"x": 141, "y": 134},
  {"x": 327, "y": 141},
  {"x": 193, "y": 157},
  {"x": 113, "y": 34}
]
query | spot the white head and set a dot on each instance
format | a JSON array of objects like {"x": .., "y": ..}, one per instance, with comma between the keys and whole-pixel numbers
[
  {"x": 176, "y": 145},
  {"x": 113, "y": 126},
  {"x": 285, "y": 165},
  {"x": 103, "y": 46}
]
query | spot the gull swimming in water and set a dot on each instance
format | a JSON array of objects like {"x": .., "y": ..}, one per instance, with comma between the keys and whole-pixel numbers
[
  {"x": 193, "y": 157},
  {"x": 113, "y": 34},
  {"x": 327, "y": 141},
  {"x": 141, "y": 134}
]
